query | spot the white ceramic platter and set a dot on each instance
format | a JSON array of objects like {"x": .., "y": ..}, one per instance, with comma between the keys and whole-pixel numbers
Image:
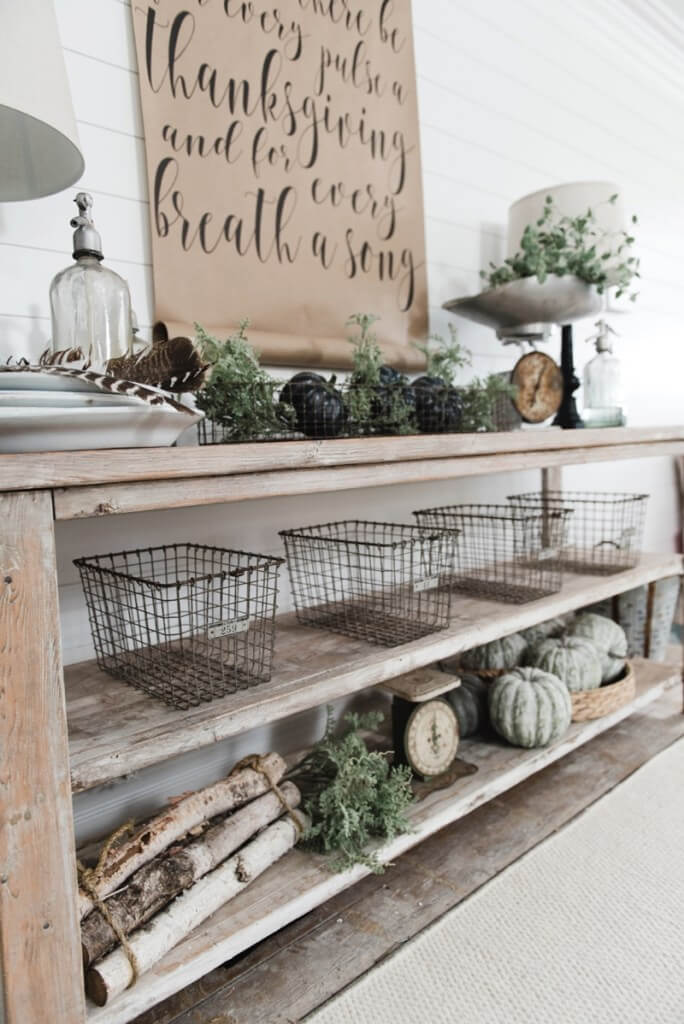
[
  {"x": 25, "y": 380},
  {"x": 33, "y": 429},
  {"x": 67, "y": 399}
]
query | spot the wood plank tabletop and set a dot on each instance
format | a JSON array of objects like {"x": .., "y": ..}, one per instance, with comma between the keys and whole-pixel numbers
[{"x": 40, "y": 470}]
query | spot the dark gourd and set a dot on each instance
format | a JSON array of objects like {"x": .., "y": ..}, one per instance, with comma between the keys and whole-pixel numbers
[
  {"x": 469, "y": 702},
  {"x": 608, "y": 637},
  {"x": 574, "y": 660},
  {"x": 318, "y": 405},
  {"x": 529, "y": 707},
  {"x": 439, "y": 408}
]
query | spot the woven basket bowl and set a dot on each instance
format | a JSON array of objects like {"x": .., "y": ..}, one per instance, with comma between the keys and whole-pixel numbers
[
  {"x": 487, "y": 675},
  {"x": 588, "y": 704}
]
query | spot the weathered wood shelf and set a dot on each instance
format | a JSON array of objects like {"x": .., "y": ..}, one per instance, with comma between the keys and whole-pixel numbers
[
  {"x": 97, "y": 483},
  {"x": 301, "y": 882},
  {"x": 114, "y": 729}
]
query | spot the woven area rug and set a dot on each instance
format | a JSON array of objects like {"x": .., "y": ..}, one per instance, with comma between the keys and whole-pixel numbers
[{"x": 587, "y": 928}]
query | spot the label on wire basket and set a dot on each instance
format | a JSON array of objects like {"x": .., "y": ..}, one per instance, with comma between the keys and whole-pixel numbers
[
  {"x": 228, "y": 628},
  {"x": 430, "y": 583},
  {"x": 546, "y": 554}
]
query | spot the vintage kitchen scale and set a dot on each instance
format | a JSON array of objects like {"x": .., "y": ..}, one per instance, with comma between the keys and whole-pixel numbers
[{"x": 425, "y": 728}]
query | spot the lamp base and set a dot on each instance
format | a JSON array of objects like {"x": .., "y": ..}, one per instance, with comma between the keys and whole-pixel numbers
[{"x": 567, "y": 416}]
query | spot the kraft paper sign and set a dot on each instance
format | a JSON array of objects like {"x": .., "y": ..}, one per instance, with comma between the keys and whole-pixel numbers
[{"x": 284, "y": 171}]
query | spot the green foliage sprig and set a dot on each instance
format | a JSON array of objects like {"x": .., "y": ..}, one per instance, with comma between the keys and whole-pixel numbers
[
  {"x": 372, "y": 404},
  {"x": 239, "y": 394},
  {"x": 446, "y": 357},
  {"x": 353, "y": 795},
  {"x": 562, "y": 245}
]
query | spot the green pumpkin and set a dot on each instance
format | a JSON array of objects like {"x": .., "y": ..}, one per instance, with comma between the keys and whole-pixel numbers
[
  {"x": 498, "y": 655},
  {"x": 574, "y": 660},
  {"x": 607, "y": 637},
  {"x": 529, "y": 707},
  {"x": 469, "y": 702},
  {"x": 552, "y": 627}
]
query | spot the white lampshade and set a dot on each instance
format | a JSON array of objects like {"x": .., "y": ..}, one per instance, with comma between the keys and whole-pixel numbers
[
  {"x": 572, "y": 200},
  {"x": 39, "y": 147}
]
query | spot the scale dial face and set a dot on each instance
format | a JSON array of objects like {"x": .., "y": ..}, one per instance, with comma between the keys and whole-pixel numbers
[
  {"x": 431, "y": 738},
  {"x": 539, "y": 383}
]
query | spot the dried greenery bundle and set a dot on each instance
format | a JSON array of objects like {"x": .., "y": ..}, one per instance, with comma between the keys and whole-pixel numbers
[
  {"x": 352, "y": 794},
  {"x": 562, "y": 245},
  {"x": 239, "y": 394},
  {"x": 378, "y": 398}
]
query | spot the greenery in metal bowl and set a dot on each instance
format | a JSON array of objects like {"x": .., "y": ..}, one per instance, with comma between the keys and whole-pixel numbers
[{"x": 562, "y": 245}]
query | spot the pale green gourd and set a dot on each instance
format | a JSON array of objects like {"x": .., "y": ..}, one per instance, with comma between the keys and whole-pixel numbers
[
  {"x": 529, "y": 707},
  {"x": 574, "y": 660},
  {"x": 497, "y": 656},
  {"x": 609, "y": 639},
  {"x": 552, "y": 627}
]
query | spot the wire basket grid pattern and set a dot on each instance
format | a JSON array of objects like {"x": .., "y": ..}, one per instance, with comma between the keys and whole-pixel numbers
[
  {"x": 606, "y": 529},
  {"x": 380, "y": 582},
  {"x": 183, "y": 622},
  {"x": 503, "y": 553}
]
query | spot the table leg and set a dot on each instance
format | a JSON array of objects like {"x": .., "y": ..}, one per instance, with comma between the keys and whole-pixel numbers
[{"x": 40, "y": 961}]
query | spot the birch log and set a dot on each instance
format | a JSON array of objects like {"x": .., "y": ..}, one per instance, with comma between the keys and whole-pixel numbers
[
  {"x": 154, "y": 836},
  {"x": 155, "y": 884},
  {"x": 112, "y": 975}
]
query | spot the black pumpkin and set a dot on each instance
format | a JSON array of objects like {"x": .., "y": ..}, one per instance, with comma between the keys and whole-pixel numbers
[
  {"x": 469, "y": 702},
  {"x": 318, "y": 405},
  {"x": 439, "y": 408}
]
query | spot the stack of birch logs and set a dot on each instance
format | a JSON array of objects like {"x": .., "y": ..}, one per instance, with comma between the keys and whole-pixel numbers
[{"x": 178, "y": 868}]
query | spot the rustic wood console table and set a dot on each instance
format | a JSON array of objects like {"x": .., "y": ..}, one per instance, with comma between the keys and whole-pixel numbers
[{"x": 64, "y": 731}]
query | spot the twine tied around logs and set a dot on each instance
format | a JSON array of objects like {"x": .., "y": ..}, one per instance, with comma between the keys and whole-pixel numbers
[
  {"x": 89, "y": 880},
  {"x": 257, "y": 763}
]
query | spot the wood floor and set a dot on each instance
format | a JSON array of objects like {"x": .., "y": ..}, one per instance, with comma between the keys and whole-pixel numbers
[{"x": 292, "y": 973}]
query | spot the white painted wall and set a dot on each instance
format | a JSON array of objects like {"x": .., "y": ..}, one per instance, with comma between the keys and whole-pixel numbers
[{"x": 513, "y": 97}]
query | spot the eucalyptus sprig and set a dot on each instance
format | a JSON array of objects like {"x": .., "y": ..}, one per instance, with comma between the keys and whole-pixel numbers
[
  {"x": 238, "y": 395},
  {"x": 562, "y": 245},
  {"x": 353, "y": 795},
  {"x": 445, "y": 357}
]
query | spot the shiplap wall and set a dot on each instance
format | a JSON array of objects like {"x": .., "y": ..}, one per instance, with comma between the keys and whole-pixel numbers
[{"x": 512, "y": 98}]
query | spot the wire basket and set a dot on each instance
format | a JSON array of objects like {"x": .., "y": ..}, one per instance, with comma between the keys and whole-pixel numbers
[
  {"x": 309, "y": 407},
  {"x": 380, "y": 582},
  {"x": 184, "y": 622},
  {"x": 605, "y": 532},
  {"x": 503, "y": 554}
]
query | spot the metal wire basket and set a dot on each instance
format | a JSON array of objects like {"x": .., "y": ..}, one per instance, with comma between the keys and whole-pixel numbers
[
  {"x": 605, "y": 531},
  {"x": 307, "y": 406},
  {"x": 380, "y": 582},
  {"x": 504, "y": 554},
  {"x": 184, "y": 622}
]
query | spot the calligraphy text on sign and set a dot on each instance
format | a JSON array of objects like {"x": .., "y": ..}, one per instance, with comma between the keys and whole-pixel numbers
[{"x": 312, "y": 166}]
